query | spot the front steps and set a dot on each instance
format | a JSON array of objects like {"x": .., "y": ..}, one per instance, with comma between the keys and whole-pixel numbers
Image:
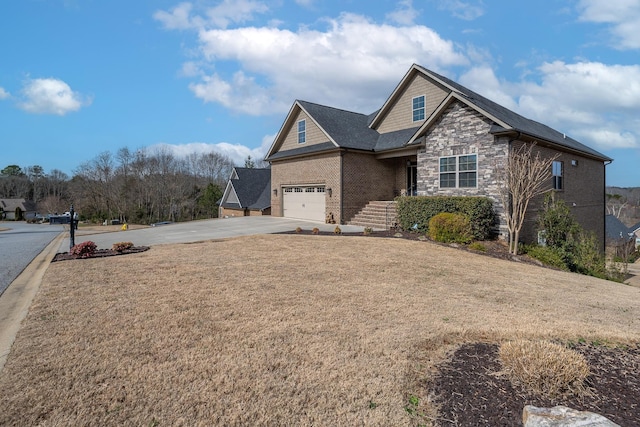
[{"x": 378, "y": 214}]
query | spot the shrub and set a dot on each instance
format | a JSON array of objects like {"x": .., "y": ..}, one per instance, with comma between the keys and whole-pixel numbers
[
  {"x": 315, "y": 230},
  {"x": 560, "y": 227},
  {"x": 337, "y": 230},
  {"x": 545, "y": 368},
  {"x": 477, "y": 246},
  {"x": 298, "y": 230},
  {"x": 416, "y": 212},
  {"x": 450, "y": 228},
  {"x": 367, "y": 231},
  {"x": 547, "y": 255},
  {"x": 122, "y": 246},
  {"x": 83, "y": 250}
]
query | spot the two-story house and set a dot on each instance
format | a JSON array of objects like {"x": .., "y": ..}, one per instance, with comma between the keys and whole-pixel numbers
[{"x": 432, "y": 136}]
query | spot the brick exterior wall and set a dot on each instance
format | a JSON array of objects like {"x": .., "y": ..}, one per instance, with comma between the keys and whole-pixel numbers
[
  {"x": 365, "y": 179},
  {"x": 583, "y": 192},
  {"x": 323, "y": 169}
]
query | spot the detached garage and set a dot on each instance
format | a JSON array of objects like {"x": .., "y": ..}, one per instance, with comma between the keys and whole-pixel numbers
[{"x": 304, "y": 202}]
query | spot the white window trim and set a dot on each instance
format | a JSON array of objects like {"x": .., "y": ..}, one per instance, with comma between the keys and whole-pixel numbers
[
  {"x": 458, "y": 171},
  {"x": 304, "y": 132},
  {"x": 424, "y": 108}
]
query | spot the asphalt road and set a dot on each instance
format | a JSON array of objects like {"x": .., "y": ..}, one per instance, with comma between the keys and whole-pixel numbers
[
  {"x": 19, "y": 246},
  {"x": 185, "y": 232}
]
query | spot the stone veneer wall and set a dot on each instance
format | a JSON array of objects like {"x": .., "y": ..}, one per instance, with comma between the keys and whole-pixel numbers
[{"x": 459, "y": 131}]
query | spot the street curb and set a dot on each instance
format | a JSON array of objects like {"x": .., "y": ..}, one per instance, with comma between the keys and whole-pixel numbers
[{"x": 17, "y": 298}]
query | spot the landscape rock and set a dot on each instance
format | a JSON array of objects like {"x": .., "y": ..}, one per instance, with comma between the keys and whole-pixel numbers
[{"x": 562, "y": 416}]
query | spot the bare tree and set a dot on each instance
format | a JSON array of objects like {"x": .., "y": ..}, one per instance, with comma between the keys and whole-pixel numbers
[
  {"x": 615, "y": 204},
  {"x": 522, "y": 177}
]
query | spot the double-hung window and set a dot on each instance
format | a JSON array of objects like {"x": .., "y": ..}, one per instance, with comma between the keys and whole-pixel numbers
[
  {"x": 459, "y": 171},
  {"x": 302, "y": 131},
  {"x": 557, "y": 173},
  {"x": 418, "y": 108}
]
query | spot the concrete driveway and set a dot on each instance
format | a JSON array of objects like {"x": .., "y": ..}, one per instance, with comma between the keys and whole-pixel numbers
[{"x": 193, "y": 231}]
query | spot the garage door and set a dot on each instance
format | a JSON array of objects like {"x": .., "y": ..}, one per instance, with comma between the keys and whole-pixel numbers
[{"x": 304, "y": 203}]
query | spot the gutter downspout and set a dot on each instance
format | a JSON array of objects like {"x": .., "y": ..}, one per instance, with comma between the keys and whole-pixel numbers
[
  {"x": 341, "y": 187},
  {"x": 604, "y": 207}
]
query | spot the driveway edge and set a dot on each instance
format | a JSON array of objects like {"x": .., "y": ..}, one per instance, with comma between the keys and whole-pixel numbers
[{"x": 17, "y": 298}]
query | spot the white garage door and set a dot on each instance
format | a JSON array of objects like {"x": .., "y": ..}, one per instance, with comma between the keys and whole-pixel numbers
[{"x": 304, "y": 203}]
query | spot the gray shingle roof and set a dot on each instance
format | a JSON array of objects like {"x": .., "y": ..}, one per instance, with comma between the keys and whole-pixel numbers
[
  {"x": 348, "y": 129},
  {"x": 518, "y": 122},
  {"x": 251, "y": 186},
  {"x": 351, "y": 130},
  {"x": 305, "y": 149},
  {"x": 616, "y": 230}
]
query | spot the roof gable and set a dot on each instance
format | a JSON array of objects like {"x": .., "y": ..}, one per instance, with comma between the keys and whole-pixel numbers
[
  {"x": 250, "y": 188},
  {"x": 346, "y": 129},
  {"x": 292, "y": 117}
]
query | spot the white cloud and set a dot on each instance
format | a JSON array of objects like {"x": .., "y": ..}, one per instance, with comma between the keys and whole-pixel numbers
[
  {"x": 622, "y": 15},
  {"x": 220, "y": 16},
  {"x": 4, "y": 94},
  {"x": 51, "y": 96},
  {"x": 354, "y": 63},
  {"x": 483, "y": 80},
  {"x": 236, "y": 152},
  {"x": 405, "y": 14},
  {"x": 467, "y": 11},
  {"x": 594, "y": 103}
]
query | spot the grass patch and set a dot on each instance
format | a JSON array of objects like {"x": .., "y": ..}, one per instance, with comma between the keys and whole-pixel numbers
[
  {"x": 281, "y": 330},
  {"x": 545, "y": 368}
]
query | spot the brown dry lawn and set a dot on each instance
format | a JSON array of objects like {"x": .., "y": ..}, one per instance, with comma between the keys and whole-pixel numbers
[{"x": 281, "y": 330}]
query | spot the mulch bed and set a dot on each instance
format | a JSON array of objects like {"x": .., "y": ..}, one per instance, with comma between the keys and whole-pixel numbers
[
  {"x": 470, "y": 392},
  {"x": 100, "y": 253}
]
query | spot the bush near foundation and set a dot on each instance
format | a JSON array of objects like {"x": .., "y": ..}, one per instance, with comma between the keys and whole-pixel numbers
[
  {"x": 414, "y": 213},
  {"x": 450, "y": 228}
]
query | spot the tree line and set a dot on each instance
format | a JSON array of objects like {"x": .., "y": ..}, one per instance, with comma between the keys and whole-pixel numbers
[{"x": 142, "y": 186}]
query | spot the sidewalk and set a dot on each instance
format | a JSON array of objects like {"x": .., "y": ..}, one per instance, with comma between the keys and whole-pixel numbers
[{"x": 16, "y": 300}]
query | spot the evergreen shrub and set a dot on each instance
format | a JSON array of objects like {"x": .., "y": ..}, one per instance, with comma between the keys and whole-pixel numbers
[{"x": 415, "y": 212}]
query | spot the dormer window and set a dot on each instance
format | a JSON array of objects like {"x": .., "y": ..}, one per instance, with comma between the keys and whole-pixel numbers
[
  {"x": 302, "y": 131},
  {"x": 418, "y": 108}
]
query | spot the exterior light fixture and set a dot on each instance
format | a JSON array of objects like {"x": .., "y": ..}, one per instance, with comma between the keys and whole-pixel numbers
[
  {"x": 329, "y": 191},
  {"x": 275, "y": 192}
]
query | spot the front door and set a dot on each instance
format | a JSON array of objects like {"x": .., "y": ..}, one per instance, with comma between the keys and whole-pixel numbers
[{"x": 412, "y": 179}]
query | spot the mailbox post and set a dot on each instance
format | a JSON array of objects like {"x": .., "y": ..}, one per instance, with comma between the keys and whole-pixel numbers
[{"x": 72, "y": 234}]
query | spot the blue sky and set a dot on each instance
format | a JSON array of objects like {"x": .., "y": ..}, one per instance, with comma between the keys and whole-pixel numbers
[{"x": 79, "y": 77}]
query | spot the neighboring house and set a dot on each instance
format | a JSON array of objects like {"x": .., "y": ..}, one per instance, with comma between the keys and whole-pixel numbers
[
  {"x": 248, "y": 193},
  {"x": 620, "y": 240},
  {"x": 17, "y": 209},
  {"x": 432, "y": 136}
]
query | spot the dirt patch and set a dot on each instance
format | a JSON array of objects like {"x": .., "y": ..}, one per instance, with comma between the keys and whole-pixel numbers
[
  {"x": 471, "y": 391},
  {"x": 282, "y": 330},
  {"x": 100, "y": 253}
]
